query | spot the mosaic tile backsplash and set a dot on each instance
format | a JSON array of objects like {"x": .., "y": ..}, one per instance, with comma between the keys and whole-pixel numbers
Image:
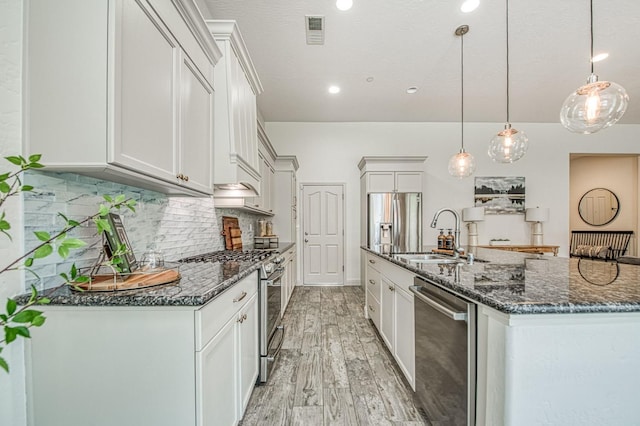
[{"x": 178, "y": 226}]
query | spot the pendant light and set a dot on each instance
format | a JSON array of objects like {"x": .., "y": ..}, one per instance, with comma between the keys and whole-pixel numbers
[
  {"x": 597, "y": 104},
  {"x": 462, "y": 164},
  {"x": 510, "y": 144}
]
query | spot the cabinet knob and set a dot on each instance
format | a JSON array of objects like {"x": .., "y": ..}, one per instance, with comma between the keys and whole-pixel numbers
[
  {"x": 306, "y": 241},
  {"x": 180, "y": 176},
  {"x": 240, "y": 320},
  {"x": 391, "y": 288},
  {"x": 186, "y": 178},
  {"x": 372, "y": 261},
  {"x": 372, "y": 282},
  {"x": 371, "y": 308}
]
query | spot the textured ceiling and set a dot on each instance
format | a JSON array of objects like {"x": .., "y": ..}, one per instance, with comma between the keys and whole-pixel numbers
[{"x": 403, "y": 43}]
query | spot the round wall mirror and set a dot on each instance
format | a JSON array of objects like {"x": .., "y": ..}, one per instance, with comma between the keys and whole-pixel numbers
[{"x": 598, "y": 206}]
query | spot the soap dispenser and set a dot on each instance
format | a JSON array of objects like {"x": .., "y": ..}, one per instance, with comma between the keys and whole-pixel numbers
[
  {"x": 441, "y": 239},
  {"x": 448, "y": 242}
]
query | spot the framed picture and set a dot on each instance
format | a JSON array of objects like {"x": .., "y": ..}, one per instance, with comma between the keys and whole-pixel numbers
[
  {"x": 119, "y": 236},
  {"x": 500, "y": 195}
]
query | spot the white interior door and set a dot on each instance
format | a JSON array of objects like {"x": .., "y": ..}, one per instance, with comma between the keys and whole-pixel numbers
[{"x": 323, "y": 234}]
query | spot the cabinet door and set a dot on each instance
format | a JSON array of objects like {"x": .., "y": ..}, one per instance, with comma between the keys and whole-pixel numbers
[
  {"x": 408, "y": 181},
  {"x": 387, "y": 311},
  {"x": 146, "y": 61},
  {"x": 196, "y": 130},
  {"x": 258, "y": 201},
  {"x": 248, "y": 351},
  {"x": 380, "y": 182},
  {"x": 217, "y": 383},
  {"x": 404, "y": 334}
]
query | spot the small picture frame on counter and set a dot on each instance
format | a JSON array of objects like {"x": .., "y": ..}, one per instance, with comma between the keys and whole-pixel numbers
[{"x": 115, "y": 238}]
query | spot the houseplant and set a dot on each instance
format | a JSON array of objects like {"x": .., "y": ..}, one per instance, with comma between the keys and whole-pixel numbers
[{"x": 17, "y": 320}]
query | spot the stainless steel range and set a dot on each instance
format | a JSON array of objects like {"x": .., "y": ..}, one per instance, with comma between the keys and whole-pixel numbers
[{"x": 271, "y": 331}]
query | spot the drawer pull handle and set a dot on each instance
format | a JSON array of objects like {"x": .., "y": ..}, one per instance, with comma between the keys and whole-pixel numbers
[
  {"x": 371, "y": 308},
  {"x": 372, "y": 261},
  {"x": 239, "y": 298},
  {"x": 372, "y": 282}
]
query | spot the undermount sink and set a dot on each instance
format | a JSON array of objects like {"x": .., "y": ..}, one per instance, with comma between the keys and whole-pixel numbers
[{"x": 426, "y": 258}]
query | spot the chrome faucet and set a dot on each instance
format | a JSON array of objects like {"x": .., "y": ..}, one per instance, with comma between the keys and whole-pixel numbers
[{"x": 456, "y": 234}]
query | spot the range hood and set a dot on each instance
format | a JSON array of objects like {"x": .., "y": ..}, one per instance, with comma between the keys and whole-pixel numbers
[{"x": 239, "y": 183}]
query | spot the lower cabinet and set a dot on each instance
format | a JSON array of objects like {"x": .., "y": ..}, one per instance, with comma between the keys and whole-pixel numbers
[
  {"x": 150, "y": 365},
  {"x": 390, "y": 306},
  {"x": 289, "y": 279},
  {"x": 227, "y": 368}
]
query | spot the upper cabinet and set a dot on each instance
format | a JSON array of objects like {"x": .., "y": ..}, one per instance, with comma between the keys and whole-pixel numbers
[
  {"x": 130, "y": 98},
  {"x": 237, "y": 161},
  {"x": 391, "y": 174},
  {"x": 285, "y": 198}
]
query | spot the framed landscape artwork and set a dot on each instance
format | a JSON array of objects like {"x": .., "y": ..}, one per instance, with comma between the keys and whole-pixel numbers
[{"x": 500, "y": 195}]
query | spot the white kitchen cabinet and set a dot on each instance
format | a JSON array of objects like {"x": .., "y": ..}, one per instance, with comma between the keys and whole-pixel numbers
[
  {"x": 129, "y": 101},
  {"x": 387, "y": 315},
  {"x": 289, "y": 280},
  {"x": 160, "y": 365},
  {"x": 237, "y": 84},
  {"x": 285, "y": 198},
  {"x": 391, "y": 174},
  {"x": 390, "y": 306}
]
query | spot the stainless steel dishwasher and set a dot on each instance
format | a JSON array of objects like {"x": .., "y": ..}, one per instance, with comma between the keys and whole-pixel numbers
[{"x": 445, "y": 336}]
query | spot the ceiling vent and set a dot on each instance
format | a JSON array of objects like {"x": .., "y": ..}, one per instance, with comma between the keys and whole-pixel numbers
[{"x": 314, "y": 24}]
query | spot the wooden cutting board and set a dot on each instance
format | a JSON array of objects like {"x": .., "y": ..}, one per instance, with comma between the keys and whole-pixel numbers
[
  {"x": 232, "y": 233},
  {"x": 133, "y": 281}
]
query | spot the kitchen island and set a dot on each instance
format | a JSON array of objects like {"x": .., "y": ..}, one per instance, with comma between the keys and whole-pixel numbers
[{"x": 557, "y": 338}]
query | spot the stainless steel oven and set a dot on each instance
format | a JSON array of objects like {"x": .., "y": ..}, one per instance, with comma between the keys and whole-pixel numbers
[{"x": 271, "y": 330}]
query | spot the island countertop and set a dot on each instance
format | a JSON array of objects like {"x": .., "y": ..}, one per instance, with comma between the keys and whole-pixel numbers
[{"x": 520, "y": 283}]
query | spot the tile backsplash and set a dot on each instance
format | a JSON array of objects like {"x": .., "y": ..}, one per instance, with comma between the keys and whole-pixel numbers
[{"x": 178, "y": 226}]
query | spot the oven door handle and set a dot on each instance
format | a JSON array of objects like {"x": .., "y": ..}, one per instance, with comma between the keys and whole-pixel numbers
[
  {"x": 272, "y": 358},
  {"x": 275, "y": 277}
]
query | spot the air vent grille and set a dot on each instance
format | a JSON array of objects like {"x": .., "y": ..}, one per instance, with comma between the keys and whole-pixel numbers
[{"x": 314, "y": 25}]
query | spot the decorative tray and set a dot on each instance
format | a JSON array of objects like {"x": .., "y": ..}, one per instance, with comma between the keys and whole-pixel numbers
[{"x": 115, "y": 281}]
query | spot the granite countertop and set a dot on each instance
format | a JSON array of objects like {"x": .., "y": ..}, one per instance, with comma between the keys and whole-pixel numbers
[
  {"x": 520, "y": 283},
  {"x": 200, "y": 282}
]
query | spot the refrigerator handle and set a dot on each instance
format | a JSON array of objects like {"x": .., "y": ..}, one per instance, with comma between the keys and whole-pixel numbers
[{"x": 396, "y": 227}]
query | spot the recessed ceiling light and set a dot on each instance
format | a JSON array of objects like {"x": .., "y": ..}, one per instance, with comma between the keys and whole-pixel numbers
[
  {"x": 412, "y": 90},
  {"x": 334, "y": 89},
  {"x": 600, "y": 57},
  {"x": 344, "y": 4},
  {"x": 469, "y": 5}
]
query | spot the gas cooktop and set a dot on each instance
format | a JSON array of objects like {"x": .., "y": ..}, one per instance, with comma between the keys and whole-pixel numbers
[{"x": 230, "y": 256}]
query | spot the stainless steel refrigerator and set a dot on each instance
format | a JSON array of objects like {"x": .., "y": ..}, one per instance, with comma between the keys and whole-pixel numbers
[{"x": 394, "y": 221}]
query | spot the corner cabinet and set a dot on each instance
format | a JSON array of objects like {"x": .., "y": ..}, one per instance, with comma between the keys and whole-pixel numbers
[
  {"x": 151, "y": 365},
  {"x": 130, "y": 100},
  {"x": 390, "y": 306},
  {"x": 237, "y": 85},
  {"x": 285, "y": 198}
]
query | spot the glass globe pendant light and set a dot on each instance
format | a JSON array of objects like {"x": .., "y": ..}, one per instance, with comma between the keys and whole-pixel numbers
[
  {"x": 510, "y": 144},
  {"x": 596, "y": 105},
  {"x": 462, "y": 164}
]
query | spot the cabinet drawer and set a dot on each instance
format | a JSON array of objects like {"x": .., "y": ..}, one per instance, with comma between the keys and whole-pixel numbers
[
  {"x": 374, "y": 261},
  {"x": 373, "y": 308},
  {"x": 373, "y": 282},
  {"x": 212, "y": 316}
]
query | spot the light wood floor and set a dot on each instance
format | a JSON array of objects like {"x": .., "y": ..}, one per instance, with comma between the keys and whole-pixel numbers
[{"x": 333, "y": 368}]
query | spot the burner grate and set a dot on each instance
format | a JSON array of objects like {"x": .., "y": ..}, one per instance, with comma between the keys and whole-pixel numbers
[{"x": 230, "y": 256}]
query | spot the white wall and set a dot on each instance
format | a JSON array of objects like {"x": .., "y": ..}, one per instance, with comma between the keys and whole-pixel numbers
[
  {"x": 12, "y": 387},
  {"x": 329, "y": 152}
]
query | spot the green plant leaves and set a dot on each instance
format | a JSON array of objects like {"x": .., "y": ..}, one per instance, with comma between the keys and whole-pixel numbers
[
  {"x": 5, "y": 187},
  {"x": 26, "y": 316},
  {"x": 35, "y": 158},
  {"x": 43, "y": 251},
  {"x": 16, "y": 160},
  {"x": 4, "y": 364},
  {"x": 11, "y": 306},
  {"x": 42, "y": 236}
]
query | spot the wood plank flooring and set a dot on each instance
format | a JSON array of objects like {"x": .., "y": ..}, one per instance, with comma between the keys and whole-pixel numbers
[{"x": 333, "y": 368}]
